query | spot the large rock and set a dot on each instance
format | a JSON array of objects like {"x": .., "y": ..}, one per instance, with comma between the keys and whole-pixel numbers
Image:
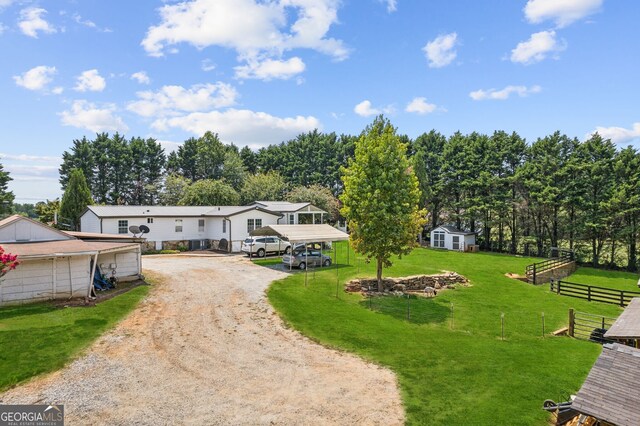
[{"x": 404, "y": 284}]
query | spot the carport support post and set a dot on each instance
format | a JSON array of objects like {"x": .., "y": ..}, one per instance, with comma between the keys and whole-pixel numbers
[
  {"x": 306, "y": 264},
  {"x": 335, "y": 255}
]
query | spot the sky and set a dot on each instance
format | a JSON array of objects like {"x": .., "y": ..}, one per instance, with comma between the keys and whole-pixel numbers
[{"x": 259, "y": 72}]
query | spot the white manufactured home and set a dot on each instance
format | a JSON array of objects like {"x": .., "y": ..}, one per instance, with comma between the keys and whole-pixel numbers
[
  {"x": 56, "y": 265},
  {"x": 451, "y": 238},
  {"x": 194, "y": 227}
]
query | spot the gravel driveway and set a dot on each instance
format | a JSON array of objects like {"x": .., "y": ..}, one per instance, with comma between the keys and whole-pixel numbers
[{"x": 205, "y": 347}]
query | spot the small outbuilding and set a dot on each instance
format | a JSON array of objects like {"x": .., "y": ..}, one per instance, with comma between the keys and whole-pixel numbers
[
  {"x": 451, "y": 238},
  {"x": 57, "y": 265}
]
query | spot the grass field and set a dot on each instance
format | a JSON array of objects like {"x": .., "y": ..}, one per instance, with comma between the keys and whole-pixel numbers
[
  {"x": 40, "y": 338},
  {"x": 460, "y": 371}
]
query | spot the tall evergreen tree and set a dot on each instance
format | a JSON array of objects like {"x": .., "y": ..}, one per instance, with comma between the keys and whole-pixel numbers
[
  {"x": 6, "y": 196},
  {"x": 75, "y": 199}
]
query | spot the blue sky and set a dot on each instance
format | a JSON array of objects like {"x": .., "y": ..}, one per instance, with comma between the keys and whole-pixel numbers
[{"x": 260, "y": 72}]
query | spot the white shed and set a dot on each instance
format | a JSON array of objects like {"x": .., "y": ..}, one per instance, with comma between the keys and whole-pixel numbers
[
  {"x": 451, "y": 238},
  {"x": 56, "y": 265}
]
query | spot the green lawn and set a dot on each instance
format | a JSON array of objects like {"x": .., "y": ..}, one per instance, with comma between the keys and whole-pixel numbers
[
  {"x": 611, "y": 279},
  {"x": 460, "y": 375},
  {"x": 40, "y": 338}
]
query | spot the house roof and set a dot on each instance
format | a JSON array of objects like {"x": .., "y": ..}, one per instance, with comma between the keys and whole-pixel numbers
[
  {"x": 63, "y": 248},
  {"x": 97, "y": 236},
  {"x": 172, "y": 211},
  {"x": 609, "y": 392},
  {"x": 627, "y": 326},
  {"x": 303, "y": 233},
  {"x": 286, "y": 207},
  {"x": 454, "y": 230}
]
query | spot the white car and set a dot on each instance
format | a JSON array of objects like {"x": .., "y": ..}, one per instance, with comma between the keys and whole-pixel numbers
[{"x": 260, "y": 246}]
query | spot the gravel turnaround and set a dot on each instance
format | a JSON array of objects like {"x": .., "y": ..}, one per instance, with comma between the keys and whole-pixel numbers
[{"x": 206, "y": 348}]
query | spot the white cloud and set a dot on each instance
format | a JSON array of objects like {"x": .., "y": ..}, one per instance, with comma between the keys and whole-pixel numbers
[
  {"x": 57, "y": 90},
  {"x": 392, "y": 5},
  {"x": 441, "y": 51},
  {"x": 90, "y": 80},
  {"x": 208, "y": 65},
  {"x": 141, "y": 77},
  {"x": 31, "y": 21},
  {"x": 256, "y": 30},
  {"x": 619, "y": 134},
  {"x": 537, "y": 48},
  {"x": 89, "y": 24},
  {"x": 562, "y": 12},
  {"x": 2, "y": 28},
  {"x": 364, "y": 109},
  {"x": 173, "y": 100},
  {"x": 169, "y": 146},
  {"x": 36, "y": 78},
  {"x": 420, "y": 106},
  {"x": 270, "y": 69},
  {"x": 31, "y": 158},
  {"x": 5, "y": 3},
  {"x": 493, "y": 94},
  {"x": 243, "y": 127},
  {"x": 86, "y": 115}
]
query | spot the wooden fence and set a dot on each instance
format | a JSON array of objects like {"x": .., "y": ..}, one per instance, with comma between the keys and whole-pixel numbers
[
  {"x": 593, "y": 293},
  {"x": 590, "y": 327},
  {"x": 564, "y": 257}
]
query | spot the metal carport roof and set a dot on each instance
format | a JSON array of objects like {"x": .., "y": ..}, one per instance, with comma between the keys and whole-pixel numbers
[{"x": 302, "y": 233}]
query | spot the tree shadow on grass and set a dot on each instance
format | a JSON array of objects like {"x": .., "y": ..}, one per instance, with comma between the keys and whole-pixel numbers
[
  {"x": 25, "y": 310},
  {"x": 418, "y": 310}
]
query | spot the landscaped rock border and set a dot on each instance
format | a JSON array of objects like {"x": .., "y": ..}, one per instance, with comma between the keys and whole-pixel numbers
[{"x": 407, "y": 284}]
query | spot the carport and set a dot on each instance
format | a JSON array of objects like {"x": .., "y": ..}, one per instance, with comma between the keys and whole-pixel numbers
[{"x": 296, "y": 234}]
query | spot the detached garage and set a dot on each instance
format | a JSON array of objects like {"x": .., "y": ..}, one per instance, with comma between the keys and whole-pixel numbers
[
  {"x": 451, "y": 238},
  {"x": 55, "y": 265}
]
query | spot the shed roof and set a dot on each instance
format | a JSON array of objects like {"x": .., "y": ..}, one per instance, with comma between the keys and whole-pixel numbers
[
  {"x": 73, "y": 247},
  {"x": 454, "y": 230},
  {"x": 16, "y": 218},
  {"x": 303, "y": 233},
  {"x": 627, "y": 326},
  {"x": 609, "y": 392},
  {"x": 172, "y": 211}
]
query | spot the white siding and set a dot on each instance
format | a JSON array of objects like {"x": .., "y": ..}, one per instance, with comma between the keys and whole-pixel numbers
[
  {"x": 89, "y": 222},
  {"x": 162, "y": 228},
  {"x": 36, "y": 280},
  {"x": 25, "y": 230},
  {"x": 239, "y": 225},
  {"x": 463, "y": 240},
  {"x": 127, "y": 264}
]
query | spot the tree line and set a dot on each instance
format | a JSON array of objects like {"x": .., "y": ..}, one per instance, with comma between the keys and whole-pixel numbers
[{"x": 521, "y": 198}]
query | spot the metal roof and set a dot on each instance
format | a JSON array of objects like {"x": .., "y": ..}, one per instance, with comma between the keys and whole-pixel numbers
[
  {"x": 46, "y": 249},
  {"x": 627, "y": 326},
  {"x": 303, "y": 233},
  {"x": 103, "y": 237},
  {"x": 454, "y": 230},
  {"x": 287, "y": 207},
  {"x": 172, "y": 211},
  {"x": 609, "y": 392},
  {"x": 16, "y": 217}
]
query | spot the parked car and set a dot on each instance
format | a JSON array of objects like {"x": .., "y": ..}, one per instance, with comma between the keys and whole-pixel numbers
[
  {"x": 260, "y": 246},
  {"x": 301, "y": 258}
]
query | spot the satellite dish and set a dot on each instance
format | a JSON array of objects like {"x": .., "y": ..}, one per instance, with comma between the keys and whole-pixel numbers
[
  {"x": 134, "y": 229},
  {"x": 144, "y": 229}
]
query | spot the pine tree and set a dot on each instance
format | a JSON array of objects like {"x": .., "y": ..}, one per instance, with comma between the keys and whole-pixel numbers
[{"x": 75, "y": 199}]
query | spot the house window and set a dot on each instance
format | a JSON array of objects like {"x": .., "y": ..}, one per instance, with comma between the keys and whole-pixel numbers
[
  {"x": 292, "y": 219},
  {"x": 456, "y": 242},
  {"x": 224, "y": 226},
  {"x": 200, "y": 225},
  {"x": 253, "y": 224},
  {"x": 123, "y": 226},
  {"x": 178, "y": 225},
  {"x": 149, "y": 220},
  {"x": 438, "y": 239}
]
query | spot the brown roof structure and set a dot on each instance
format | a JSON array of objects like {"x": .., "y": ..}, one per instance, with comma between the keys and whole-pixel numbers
[
  {"x": 102, "y": 237},
  {"x": 627, "y": 326},
  {"x": 73, "y": 247},
  {"x": 610, "y": 391}
]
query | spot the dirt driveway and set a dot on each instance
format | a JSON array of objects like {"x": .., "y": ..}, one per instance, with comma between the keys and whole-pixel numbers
[{"x": 206, "y": 348}]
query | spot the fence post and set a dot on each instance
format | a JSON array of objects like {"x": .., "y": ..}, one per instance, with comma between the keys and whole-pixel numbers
[
  {"x": 589, "y": 293},
  {"x": 534, "y": 273},
  {"x": 558, "y": 286},
  {"x": 408, "y": 309},
  {"x": 551, "y": 285},
  {"x": 571, "y": 322},
  {"x": 622, "y": 299}
]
